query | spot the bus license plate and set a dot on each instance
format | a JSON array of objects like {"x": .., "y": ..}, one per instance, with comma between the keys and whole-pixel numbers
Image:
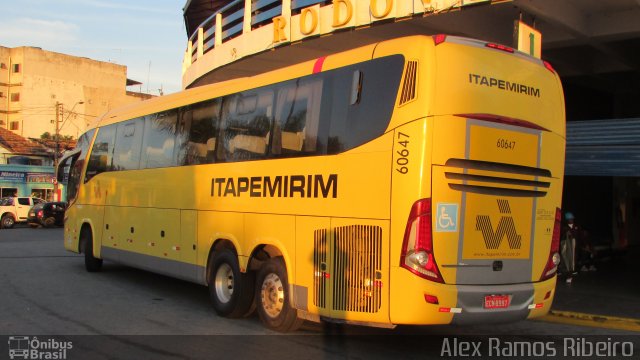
[{"x": 496, "y": 301}]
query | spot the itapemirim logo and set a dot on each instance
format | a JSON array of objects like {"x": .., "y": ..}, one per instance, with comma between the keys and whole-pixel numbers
[
  {"x": 32, "y": 348},
  {"x": 506, "y": 226}
]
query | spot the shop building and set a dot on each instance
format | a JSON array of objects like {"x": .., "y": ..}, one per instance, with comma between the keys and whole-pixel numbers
[{"x": 26, "y": 167}]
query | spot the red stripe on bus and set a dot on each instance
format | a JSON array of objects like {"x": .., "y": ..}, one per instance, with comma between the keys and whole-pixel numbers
[{"x": 317, "y": 67}]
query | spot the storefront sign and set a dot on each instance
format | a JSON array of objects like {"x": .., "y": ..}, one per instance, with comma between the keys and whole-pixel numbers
[
  {"x": 13, "y": 176},
  {"x": 25, "y": 177}
]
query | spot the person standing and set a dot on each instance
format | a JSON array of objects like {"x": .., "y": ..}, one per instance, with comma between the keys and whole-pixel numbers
[
  {"x": 568, "y": 246},
  {"x": 577, "y": 249}
]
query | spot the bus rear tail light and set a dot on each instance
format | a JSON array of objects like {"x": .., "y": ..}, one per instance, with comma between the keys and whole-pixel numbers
[
  {"x": 549, "y": 67},
  {"x": 499, "y": 47},
  {"x": 503, "y": 120},
  {"x": 554, "y": 253},
  {"x": 417, "y": 250},
  {"x": 439, "y": 39}
]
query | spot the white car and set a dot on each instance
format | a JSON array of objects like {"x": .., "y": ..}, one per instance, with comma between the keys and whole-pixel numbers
[{"x": 15, "y": 209}]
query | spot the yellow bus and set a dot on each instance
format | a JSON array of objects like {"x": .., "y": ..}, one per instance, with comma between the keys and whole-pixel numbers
[{"x": 413, "y": 181}]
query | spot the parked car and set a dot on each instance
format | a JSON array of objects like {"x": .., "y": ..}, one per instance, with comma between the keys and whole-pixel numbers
[
  {"x": 15, "y": 209},
  {"x": 47, "y": 214}
]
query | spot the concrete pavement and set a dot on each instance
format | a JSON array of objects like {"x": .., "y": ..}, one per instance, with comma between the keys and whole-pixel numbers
[{"x": 607, "y": 298}]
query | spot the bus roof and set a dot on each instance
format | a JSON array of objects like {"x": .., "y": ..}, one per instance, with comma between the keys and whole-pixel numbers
[{"x": 206, "y": 92}]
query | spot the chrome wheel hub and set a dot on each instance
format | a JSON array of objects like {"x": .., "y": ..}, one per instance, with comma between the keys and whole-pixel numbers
[
  {"x": 223, "y": 283},
  {"x": 272, "y": 295}
]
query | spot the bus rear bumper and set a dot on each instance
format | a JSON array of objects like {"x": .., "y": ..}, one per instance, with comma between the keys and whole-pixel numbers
[{"x": 422, "y": 302}]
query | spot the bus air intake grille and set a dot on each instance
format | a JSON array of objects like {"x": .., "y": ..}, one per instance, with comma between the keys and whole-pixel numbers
[
  {"x": 410, "y": 82},
  {"x": 320, "y": 268},
  {"x": 357, "y": 268},
  {"x": 497, "y": 179}
]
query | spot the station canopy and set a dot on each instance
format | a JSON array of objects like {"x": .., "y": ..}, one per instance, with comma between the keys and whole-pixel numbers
[{"x": 594, "y": 41}]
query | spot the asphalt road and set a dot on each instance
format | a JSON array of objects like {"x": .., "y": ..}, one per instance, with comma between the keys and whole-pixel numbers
[{"x": 124, "y": 313}]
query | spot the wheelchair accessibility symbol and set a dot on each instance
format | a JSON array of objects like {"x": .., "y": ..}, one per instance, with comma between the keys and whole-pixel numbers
[{"x": 447, "y": 217}]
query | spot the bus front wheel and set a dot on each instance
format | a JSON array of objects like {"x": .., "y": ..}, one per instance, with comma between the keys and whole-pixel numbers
[
  {"x": 91, "y": 263},
  {"x": 231, "y": 291},
  {"x": 272, "y": 297}
]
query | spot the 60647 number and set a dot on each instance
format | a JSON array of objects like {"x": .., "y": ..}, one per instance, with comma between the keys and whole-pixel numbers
[
  {"x": 402, "y": 161},
  {"x": 506, "y": 144}
]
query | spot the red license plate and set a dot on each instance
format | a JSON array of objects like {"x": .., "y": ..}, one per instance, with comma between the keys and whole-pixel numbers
[{"x": 496, "y": 301}]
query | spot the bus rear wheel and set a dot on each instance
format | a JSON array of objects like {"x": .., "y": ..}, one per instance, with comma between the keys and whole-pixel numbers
[
  {"x": 91, "y": 263},
  {"x": 272, "y": 297},
  {"x": 231, "y": 291}
]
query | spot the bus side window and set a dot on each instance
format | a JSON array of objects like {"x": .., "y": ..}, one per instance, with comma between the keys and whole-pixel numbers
[
  {"x": 360, "y": 101},
  {"x": 203, "y": 132},
  {"x": 102, "y": 152},
  {"x": 181, "y": 146},
  {"x": 159, "y": 140},
  {"x": 297, "y": 118},
  {"x": 247, "y": 119},
  {"x": 126, "y": 155}
]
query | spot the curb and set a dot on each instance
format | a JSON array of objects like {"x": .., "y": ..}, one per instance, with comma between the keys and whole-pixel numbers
[{"x": 600, "y": 321}]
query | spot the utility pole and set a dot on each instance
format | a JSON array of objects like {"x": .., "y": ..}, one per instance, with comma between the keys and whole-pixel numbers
[{"x": 56, "y": 138}]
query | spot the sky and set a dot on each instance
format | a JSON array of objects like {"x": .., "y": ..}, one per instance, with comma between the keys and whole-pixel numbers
[{"x": 147, "y": 36}]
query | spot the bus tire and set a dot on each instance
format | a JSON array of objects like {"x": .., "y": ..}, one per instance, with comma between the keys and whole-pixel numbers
[
  {"x": 7, "y": 221},
  {"x": 91, "y": 263},
  {"x": 231, "y": 291},
  {"x": 273, "y": 298}
]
